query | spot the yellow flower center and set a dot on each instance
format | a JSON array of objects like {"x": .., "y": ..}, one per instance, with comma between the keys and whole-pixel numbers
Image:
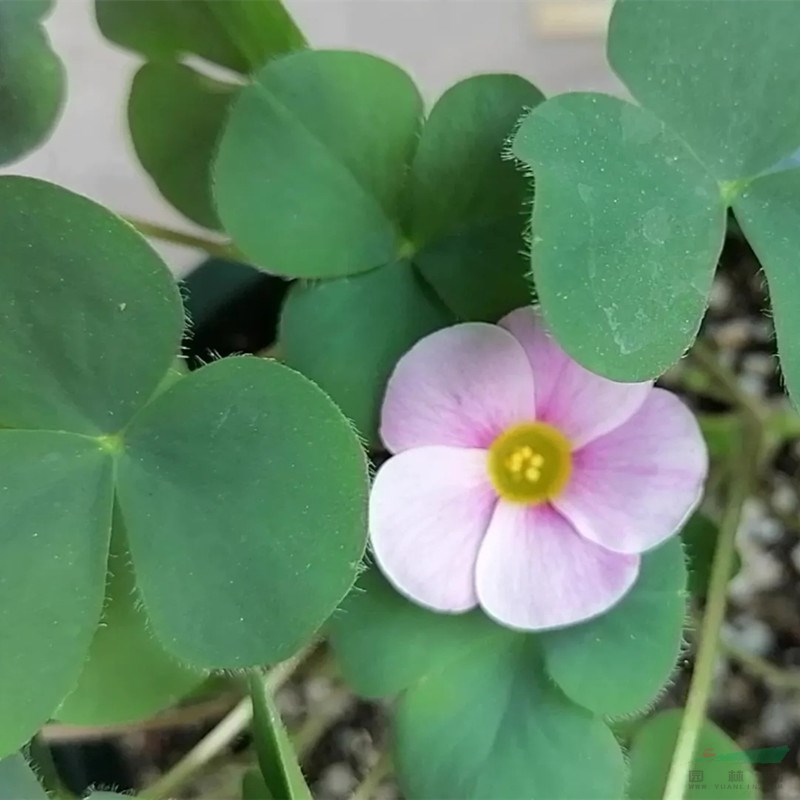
[{"x": 530, "y": 463}]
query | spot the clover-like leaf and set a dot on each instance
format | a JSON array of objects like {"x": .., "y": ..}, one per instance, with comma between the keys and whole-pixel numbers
[
  {"x": 56, "y": 523},
  {"x": 693, "y": 64},
  {"x": 128, "y": 675},
  {"x": 631, "y": 650},
  {"x": 511, "y": 716},
  {"x": 238, "y": 34},
  {"x": 716, "y": 756},
  {"x": 32, "y": 79},
  {"x": 467, "y": 200},
  {"x": 75, "y": 279},
  {"x": 17, "y": 780},
  {"x": 627, "y": 228},
  {"x": 512, "y": 733},
  {"x": 176, "y": 116},
  {"x": 347, "y": 334},
  {"x": 243, "y": 491},
  {"x": 312, "y": 162},
  {"x": 769, "y": 213}
]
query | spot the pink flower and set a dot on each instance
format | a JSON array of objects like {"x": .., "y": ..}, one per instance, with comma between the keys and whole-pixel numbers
[{"x": 521, "y": 482}]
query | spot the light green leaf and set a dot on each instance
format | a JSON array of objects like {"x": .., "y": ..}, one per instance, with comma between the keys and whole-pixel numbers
[
  {"x": 347, "y": 334},
  {"x": 176, "y": 116},
  {"x": 128, "y": 676},
  {"x": 238, "y": 34},
  {"x": 385, "y": 643},
  {"x": 627, "y": 230},
  {"x": 276, "y": 757},
  {"x": 56, "y": 523},
  {"x": 769, "y": 213},
  {"x": 243, "y": 491},
  {"x": 17, "y": 781},
  {"x": 467, "y": 201},
  {"x": 311, "y": 164},
  {"x": 693, "y": 64},
  {"x": 32, "y": 79},
  {"x": 76, "y": 279},
  {"x": 493, "y": 726},
  {"x": 631, "y": 650},
  {"x": 721, "y": 771}
]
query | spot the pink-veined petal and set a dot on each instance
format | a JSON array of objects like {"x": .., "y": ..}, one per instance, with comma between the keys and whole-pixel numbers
[
  {"x": 582, "y": 405},
  {"x": 428, "y": 513},
  {"x": 636, "y": 486},
  {"x": 535, "y": 572},
  {"x": 461, "y": 386}
]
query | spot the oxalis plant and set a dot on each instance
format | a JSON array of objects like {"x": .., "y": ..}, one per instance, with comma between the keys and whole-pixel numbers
[{"x": 482, "y": 296}]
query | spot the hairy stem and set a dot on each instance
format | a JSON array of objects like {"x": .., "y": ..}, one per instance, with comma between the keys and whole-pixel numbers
[
  {"x": 213, "y": 247},
  {"x": 215, "y": 742}
]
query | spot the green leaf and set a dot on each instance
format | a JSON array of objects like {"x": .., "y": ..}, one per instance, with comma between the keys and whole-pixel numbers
[
  {"x": 769, "y": 213},
  {"x": 17, "y": 780},
  {"x": 631, "y": 650},
  {"x": 311, "y": 164},
  {"x": 699, "y": 537},
  {"x": 32, "y": 78},
  {"x": 717, "y": 756},
  {"x": 176, "y": 116},
  {"x": 627, "y": 230},
  {"x": 56, "y": 511},
  {"x": 493, "y": 725},
  {"x": 722, "y": 433},
  {"x": 127, "y": 676},
  {"x": 91, "y": 319},
  {"x": 693, "y": 63},
  {"x": 467, "y": 200},
  {"x": 276, "y": 757},
  {"x": 238, "y": 34},
  {"x": 254, "y": 787},
  {"x": 386, "y": 643},
  {"x": 348, "y": 334},
  {"x": 243, "y": 491}
]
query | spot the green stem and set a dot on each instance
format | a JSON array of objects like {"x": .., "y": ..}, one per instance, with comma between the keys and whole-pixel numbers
[
  {"x": 231, "y": 726},
  {"x": 213, "y": 247},
  {"x": 700, "y": 689}
]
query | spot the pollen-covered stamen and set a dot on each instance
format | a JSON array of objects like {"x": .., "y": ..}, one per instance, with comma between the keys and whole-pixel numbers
[{"x": 530, "y": 463}]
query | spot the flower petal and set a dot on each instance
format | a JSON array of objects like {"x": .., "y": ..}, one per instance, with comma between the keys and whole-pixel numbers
[
  {"x": 636, "y": 486},
  {"x": 428, "y": 513},
  {"x": 534, "y": 571},
  {"x": 460, "y": 386},
  {"x": 579, "y": 403}
]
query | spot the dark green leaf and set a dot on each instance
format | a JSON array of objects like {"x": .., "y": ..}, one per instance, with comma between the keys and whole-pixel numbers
[
  {"x": 699, "y": 537},
  {"x": 722, "y": 433},
  {"x": 239, "y": 34},
  {"x": 722, "y": 75},
  {"x": 769, "y": 213},
  {"x": 386, "y": 643},
  {"x": 32, "y": 80},
  {"x": 56, "y": 523},
  {"x": 91, "y": 318},
  {"x": 17, "y": 781},
  {"x": 311, "y": 164},
  {"x": 128, "y": 676},
  {"x": 243, "y": 491},
  {"x": 492, "y": 725},
  {"x": 348, "y": 334},
  {"x": 627, "y": 229},
  {"x": 467, "y": 201},
  {"x": 253, "y": 786},
  {"x": 618, "y": 662},
  {"x": 176, "y": 117},
  {"x": 276, "y": 757},
  {"x": 720, "y": 771}
]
